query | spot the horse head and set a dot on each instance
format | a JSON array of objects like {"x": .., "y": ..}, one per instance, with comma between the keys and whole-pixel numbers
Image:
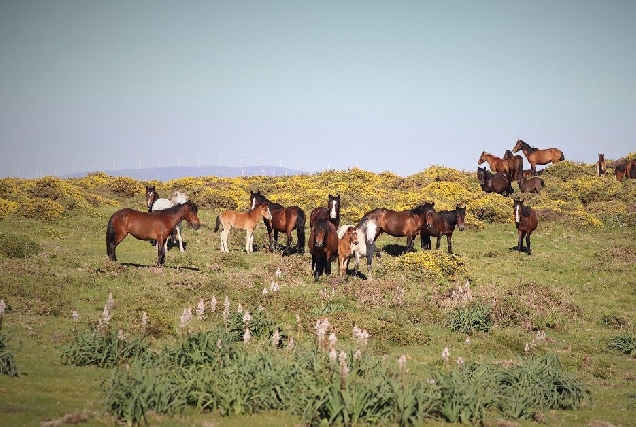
[
  {"x": 461, "y": 215},
  {"x": 191, "y": 216},
  {"x": 518, "y": 205},
  {"x": 264, "y": 211},
  {"x": 334, "y": 206},
  {"x": 482, "y": 158},
  {"x": 151, "y": 196},
  {"x": 481, "y": 175},
  {"x": 518, "y": 146}
]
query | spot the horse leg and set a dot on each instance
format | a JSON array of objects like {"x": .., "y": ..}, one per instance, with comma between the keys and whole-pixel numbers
[
  {"x": 224, "y": 235},
  {"x": 248, "y": 246},
  {"x": 450, "y": 246},
  {"x": 409, "y": 244},
  {"x": 520, "y": 244},
  {"x": 270, "y": 233},
  {"x": 528, "y": 243},
  {"x": 425, "y": 240},
  {"x": 439, "y": 238},
  {"x": 179, "y": 237},
  {"x": 161, "y": 252},
  {"x": 274, "y": 245}
]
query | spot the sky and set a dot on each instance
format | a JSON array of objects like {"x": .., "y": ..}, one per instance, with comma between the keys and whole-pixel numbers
[{"x": 396, "y": 86}]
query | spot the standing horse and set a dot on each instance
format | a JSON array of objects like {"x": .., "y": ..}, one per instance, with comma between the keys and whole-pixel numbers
[
  {"x": 331, "y": 212},
  {"x": 443, "y": 223},
  {"x": 630, "y": 169},
  {"x": 515, "y": 164},
  {"x": 347, "y": 247},
  {"x": 355, "y": 250},
  {"x": 394, "y": 223},
  {"x": 244, "y": 220},
  {"x": 494, "y": 183},
  {"x": 526, "y": 222},
  {"x": 531, "y": 185},
  {"x": 497, "y": 164},
  {"x": 284, "y": 220},
  {"x": 323, "y": 246},
  {"x": 536, "y": 156},
  {"x": 148, "y": 226},
  {"x": 601, "y": 166},
  {"x": 155, "y": 203}
]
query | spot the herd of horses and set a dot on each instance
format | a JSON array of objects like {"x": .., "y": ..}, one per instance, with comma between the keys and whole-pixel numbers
[{"x": 328, "y": 240}]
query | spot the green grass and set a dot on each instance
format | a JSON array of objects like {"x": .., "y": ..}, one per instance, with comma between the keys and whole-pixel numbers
[{"x": 568, "y": 289}]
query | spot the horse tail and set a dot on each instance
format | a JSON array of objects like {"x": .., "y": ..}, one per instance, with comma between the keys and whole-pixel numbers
[
  {"x": 300, "y": 229},
  {"x": 218, "y": 223},
  {"x": 111, "y": 237}
]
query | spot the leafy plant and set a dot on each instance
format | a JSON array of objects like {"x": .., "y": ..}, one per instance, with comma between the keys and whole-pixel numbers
[
  {"x": 625, "y": 343},
  {"x": 7, "y": 360}
]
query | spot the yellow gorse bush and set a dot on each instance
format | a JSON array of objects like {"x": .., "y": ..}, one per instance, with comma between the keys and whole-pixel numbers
[{"x": 7, "y": 207}]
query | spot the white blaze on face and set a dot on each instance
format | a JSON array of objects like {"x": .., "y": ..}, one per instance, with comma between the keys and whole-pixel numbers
[
  {"x": 333, "y": 209},
  {"x": 517, "y": 213},
  {"x": 371, "y": 230},
  {"x": 253, "y": 202}
]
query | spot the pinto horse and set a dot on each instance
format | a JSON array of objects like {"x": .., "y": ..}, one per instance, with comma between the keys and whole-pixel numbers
[
  {"x": 323, "y": 246},
  {"x": 331, "y": 212},
  {"x": 526, "y": 222},
  {"x": 537, "y": 156},
  {"x": 494, "y": 183},
  {"x": 283, "y": 220},
  {"x": 156, "y": 203},
  {"x": 148, "y": 226},
  {"x": 443, "y": 223},
  {"x": 534, "y": 184},
  {"x": 601, "y": 166},
  {"x": 244, "y": 220}
]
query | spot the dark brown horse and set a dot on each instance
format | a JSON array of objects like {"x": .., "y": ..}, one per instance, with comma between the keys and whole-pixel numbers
[
  {"x": 534, "y": 184},
  {"x": 601, "y": 166},
  {"x": 630, "y": 169},
  {"x": 148, "y": 226},
  {"x": 509, "y": 166},
  {"x": 323, "y": 246},
  {"x": 443, "y": 223},
  {"x": 515, "y": 165},
  {"x": 536, "y": 156},
  {"x": 494, "y": 182},
  {"x": 283, "y": 220},
  {"x": 331, "y": 212},
  {"x": 526, "y": 222}
]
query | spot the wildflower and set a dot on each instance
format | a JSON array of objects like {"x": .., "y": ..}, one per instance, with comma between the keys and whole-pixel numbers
[
  {"x": 265, "y": 291},
  {"x": 467, "y": 340},
  {"x": 239, "y": 308},
  {"x": 185, "y": 317},
  {"x": 218, "y": 343},
  {"x": 110, "y": 302},
  {"x": 526, "y": 349},
  {"x": 120, "y": 334},
  {"x": 247, "y": 336},
  {"x": 200, "y": 309},
  {"x": 430, "y": 381},
  {"x": 291, "y": 344},
  {"x": 213, "y": 304},
  {"x": 357, "y": 355},
  {"x": 361, "y": 335},
  {"x": 247, "y": 317},
  {"x": 226, "y": 308},
  {"x": 321, "y": 328},
  {"x": 541, "y": 335},
  {"x": 445, "y": 354},
  {"x": 402, "y": 362},
  {"x": 275, "y": 338},
  {"x": 460, "y": 361},
  {"x": 333, "y": 355},
  {"x": 144, "y": 319},
  {"x": 344, "y": 369},
  {"x": 332, "y": 340},
  {"x": 75, "y": 316},
  {"x": 274, "y": 287},
  {"x": 278, "y": 272}
]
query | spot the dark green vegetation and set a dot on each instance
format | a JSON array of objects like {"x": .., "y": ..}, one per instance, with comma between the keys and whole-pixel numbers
[{"x": 548, "y": 337}]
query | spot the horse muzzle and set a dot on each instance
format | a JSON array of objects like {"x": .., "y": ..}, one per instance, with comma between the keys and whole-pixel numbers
[{"x": 461, "y": 227}]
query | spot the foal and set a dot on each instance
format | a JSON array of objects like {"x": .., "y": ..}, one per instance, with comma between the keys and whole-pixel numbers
[
  {"x": 244, "y": 220},
  {"x": 526, "y": 222},
  {"x": 347, "y": 247}
]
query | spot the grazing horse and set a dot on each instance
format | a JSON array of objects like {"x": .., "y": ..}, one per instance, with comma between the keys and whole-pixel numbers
[
  {"x": 148, "y": 226},
  {"x": 331, "y": 212},
  {"x": 536, "y": 156},
  {"x": 526, "y": 222},
  {"x": 323, "y": 246},
  {"x": 494, "y": 183},
  {"x": 155, "y": 203},
  {"x": 244, "y": 220},
  {"x": 347, "y": 245},
  {"x": 356, "y": 250},
  {"x": 443, "y": 223},
  {"x": 283, "y": 220},
  {"x": 503, "y": 165},
  {"x": 531, "y": 185},
  {"x": 601, "y": 166},
  {"x": 515, "y": 164}
]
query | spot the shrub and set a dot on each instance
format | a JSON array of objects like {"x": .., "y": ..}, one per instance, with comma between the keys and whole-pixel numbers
[
  {"x": 625, "y": 343},
  {"x": 7, "y": 361},
  {"x": 127, "y": 187},
  {"x": 103, "y": 349},
  {"x": 17, "y": 246},
  {"x": 474, "y": 317},
  {"x": 438, "y": 264},
  {"x": 41, "y": 209},
  {"x": 491, "y": 207},
  {"x": 7, "y": 207}
]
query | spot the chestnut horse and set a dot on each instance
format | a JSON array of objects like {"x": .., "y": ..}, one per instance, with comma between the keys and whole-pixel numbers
[
  {"x": 347, "y": 245},
  {"x": 515, "y": 163},
  {"x": 536, "y": 156},
  {"x": 443, "y": 223},
  {"x": 244, "y": 220},
  {"x": 601, "y": 166},
  {"x": 331, "y": 212},
  {"x": 494, "y": 183},
  {"x": 323, "y": 246},
  {"x": 283, "y": 220},
  {"x": 155, "y": 225},
  {"x": 526, "y": 222},
  {"x": 508, "y": 166}
]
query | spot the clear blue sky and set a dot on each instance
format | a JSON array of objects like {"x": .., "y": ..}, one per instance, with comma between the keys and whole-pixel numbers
[{"x": 382, "y": 85}]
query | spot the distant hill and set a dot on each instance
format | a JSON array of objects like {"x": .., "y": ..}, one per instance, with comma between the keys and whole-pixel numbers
[{"x": 174, "y": 172}]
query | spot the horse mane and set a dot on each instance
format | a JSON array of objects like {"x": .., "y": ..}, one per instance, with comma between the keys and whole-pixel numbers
[
  {"x": 526, "y": 210},
  {"x": 421, "y": 209},
  {"x": 176, "y": 207},
  {"x": 260, "y": 199},
  {"x": 527, "y": 146}
]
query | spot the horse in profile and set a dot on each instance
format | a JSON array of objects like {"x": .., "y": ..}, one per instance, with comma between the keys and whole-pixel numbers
[
  {"x": 508, "y": 166},
  {"x": 155, "y": 226},
  {"x": 244, "y": 220},
  {"x": 331, "y": 212},
  {"x": 283, "y": 220},
  {"x": 630, "y": 169},
  {"x": 537, "y": 156},
  {"x": 443, "y": 223},
  {"x": 601, "y": 166},
  {"x": 533, "y": 184},
  {"x": 156, "y": 203},
  {"x": 526, "y": 222},
  {"x": 323, "y": 246},
  {"x": 347, "y": 247},
  {"x": 494, "y": 183}
]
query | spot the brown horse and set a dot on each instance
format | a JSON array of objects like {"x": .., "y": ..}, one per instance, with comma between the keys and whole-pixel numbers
[
  {"x": 323, "y": 246},
  {"x": 533, "y": 184},
  {"x": 283, "y": 220},
  {"x": 536, "y": 156},
  {"x": 494, "y": 183},
  {"x": 148, "y": 226},
  {"x": 347, "y": 244},
  {"x": 515, "y": 164},
  {"x": 630, "y": 169},
  {"x": 601, "y": 166},
  {"x": 526, "y": 222},
  {"x": 510, "y": 166},
  {"x": 443, "y": 223},
  {"x": 244, "y": 220},
  {"x": 331, "y": 212}
]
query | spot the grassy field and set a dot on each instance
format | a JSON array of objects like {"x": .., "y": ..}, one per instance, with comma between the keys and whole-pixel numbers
[{"x": 573, "y": 297}]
